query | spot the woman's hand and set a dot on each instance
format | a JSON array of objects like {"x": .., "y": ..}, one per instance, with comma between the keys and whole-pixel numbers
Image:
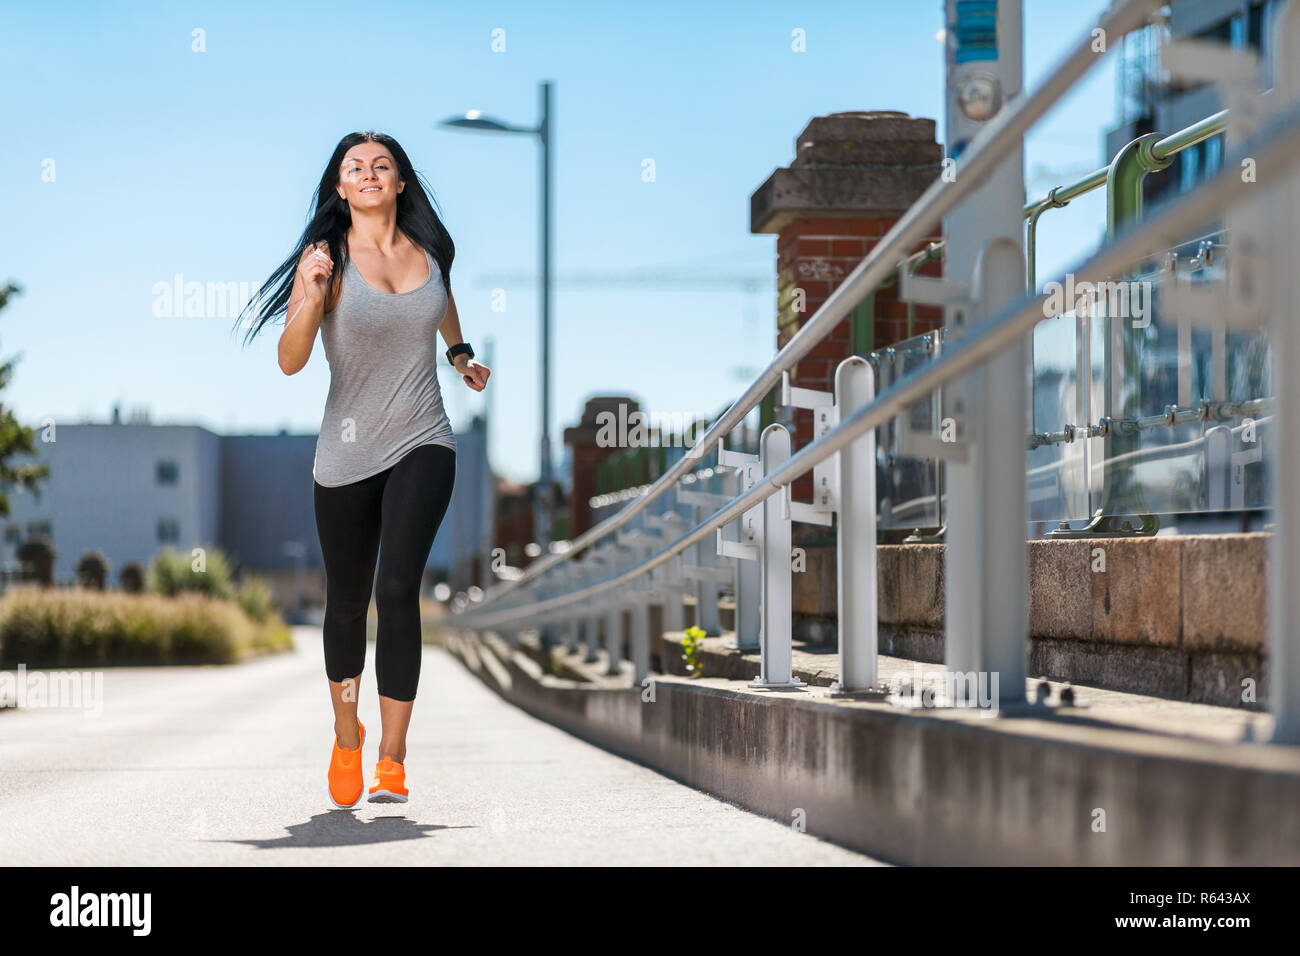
[
  {"x": 314, "y": 269},
  {"x": 474, "y": 372}
]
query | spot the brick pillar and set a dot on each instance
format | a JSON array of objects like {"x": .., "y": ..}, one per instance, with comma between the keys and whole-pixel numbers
[
  {"x": 853, "y": 175},
  {"x": 587, "y": 454}
]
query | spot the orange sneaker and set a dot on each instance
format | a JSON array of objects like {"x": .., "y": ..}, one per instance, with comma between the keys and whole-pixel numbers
[
  {"x": 345, "y": 776},
  {"x": 390, "y": 782}
]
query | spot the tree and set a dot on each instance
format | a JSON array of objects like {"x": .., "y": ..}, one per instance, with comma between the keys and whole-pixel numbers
[
  {"x": 15, "y": 438},
  {"x": 92, "y": 570},
  {"x": 40, "y": 555},
  {"x": 131, "y": 578}
]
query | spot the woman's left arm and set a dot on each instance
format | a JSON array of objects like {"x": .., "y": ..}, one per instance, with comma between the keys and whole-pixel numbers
[{"x": 474, "y": 372}]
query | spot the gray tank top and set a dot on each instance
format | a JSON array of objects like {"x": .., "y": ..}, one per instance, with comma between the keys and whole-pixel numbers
[{"x": 384, "y": 399}]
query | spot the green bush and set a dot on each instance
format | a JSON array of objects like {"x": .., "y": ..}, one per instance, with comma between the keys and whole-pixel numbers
[
  {"x": 77, "y": 627},
  {"x": 172, "y": 572},
  {"x": 256, "y": 599},
  {"x": 138, "y": 633},
  {"x": 92, "y": 570},
  {"x": 131, "y": 578}
]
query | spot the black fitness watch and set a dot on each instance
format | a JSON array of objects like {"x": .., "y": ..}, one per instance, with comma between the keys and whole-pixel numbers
[{"x": 457, "y": 349}]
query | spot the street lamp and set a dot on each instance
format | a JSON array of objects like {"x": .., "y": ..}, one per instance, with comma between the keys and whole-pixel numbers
[{"x": 474, "y": 119}]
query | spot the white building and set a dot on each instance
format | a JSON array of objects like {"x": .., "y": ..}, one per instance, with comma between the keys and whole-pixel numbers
[{"x": 132, "y": 489}]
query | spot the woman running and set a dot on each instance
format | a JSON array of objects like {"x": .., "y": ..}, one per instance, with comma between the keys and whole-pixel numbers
[{"x": 386, "y": 456}]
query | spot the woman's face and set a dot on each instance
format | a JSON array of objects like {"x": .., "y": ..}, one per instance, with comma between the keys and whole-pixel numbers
[{"x": 368, "y": 177}]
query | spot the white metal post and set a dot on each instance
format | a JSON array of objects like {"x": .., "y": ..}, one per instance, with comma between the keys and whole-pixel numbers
[
  {"x": 593, "y": 635},
  {"x": 1284, "y": 461},
  {"x": 674, "y": 609},
  {"x": 613, "y": 637},
  {"x": 856, "y": 537},
  {"x": 569, "y": 618},
  {"x": 613, "y": 605},
  {"x": 640, "y": 639},
  {"x": 748, "y": 583},
  {"x": 669, "y": 578},
  {"x": 1001, "y": 456},
  {"x": 706, "y": 586},
  {"x": 641, "y": 543},
  {"x": 595, "y": 559},
  {"x": 986, "y": 512},
  {"x": 777, "y": 667},
  {"x": 848, "y": 475},
  {"x": 746, "y": 580},
  {"x": 1262, "y": 288},
  {"x": 575, "y": 633},
  {"x": 707, "y": 570}
]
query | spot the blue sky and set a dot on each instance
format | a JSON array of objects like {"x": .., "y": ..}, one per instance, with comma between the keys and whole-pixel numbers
[{"x": 169, "y": 161}]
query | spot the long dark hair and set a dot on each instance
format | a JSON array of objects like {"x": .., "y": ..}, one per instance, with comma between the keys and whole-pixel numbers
[{"x": 329, "y": 223}]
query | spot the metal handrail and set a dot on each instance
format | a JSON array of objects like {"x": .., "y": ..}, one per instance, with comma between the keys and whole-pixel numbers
[
  {"x": 1276, "y": 148},
  {"x": 1198, "y": 132},
  {"x": 1060, "y": 196},
  {"x": 980, "y": 159}
]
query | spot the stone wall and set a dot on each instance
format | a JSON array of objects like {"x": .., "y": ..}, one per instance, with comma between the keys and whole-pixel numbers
[{"x": 1184, "y": 617}]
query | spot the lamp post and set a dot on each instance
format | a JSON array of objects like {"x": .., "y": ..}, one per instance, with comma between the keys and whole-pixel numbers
[{"x": 474, "y": 119}]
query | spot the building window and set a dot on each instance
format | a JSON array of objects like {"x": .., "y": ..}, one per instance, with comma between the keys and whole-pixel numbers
[
  {"x": 169, "y": 530},
  {"x": 38, "y": 529},
  {"x": 1190, "y": 168},
  {"x": 166, "y": 472},
  {"x": 1255, "y": 26},
  {"x": 13, "y": 534},
  {"x": 1213, "y": 155},
  {"x": 1237, "y": 31}
]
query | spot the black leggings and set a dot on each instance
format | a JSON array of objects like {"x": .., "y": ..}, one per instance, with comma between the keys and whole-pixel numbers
[{"x": 396, "y": 514}]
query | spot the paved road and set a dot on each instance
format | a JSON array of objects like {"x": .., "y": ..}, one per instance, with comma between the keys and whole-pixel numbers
[{"x": 226, "y": 765}]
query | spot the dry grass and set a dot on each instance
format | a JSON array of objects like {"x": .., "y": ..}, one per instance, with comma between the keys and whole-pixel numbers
[{"x": 79, "y": 627}]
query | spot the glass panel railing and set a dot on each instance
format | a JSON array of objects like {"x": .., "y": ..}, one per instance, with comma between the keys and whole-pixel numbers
[
  {"x": 1146, "y": 409},
  {"x": 907, "y": 481},
  {"x": 1058, "y": 479},
  {"x": 1181, "y": 402}
]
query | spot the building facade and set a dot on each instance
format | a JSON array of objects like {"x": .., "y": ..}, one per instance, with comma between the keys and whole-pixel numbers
[{"x": 133, "y": 489}]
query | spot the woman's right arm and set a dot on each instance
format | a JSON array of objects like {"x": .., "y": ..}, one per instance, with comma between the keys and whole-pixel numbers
[{"x": 306, "y": 307}]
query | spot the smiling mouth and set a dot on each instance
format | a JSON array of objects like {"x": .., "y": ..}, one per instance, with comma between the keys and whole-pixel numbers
[{"x": 371, "y": 189}]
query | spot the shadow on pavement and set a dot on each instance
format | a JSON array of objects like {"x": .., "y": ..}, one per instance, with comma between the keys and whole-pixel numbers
[{"x": 345, "y": 828}]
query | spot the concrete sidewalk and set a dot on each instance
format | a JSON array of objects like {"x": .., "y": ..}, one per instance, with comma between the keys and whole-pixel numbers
[{"x": 226, "y": 765}]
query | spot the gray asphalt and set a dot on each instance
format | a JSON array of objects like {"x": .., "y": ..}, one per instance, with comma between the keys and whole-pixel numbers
[{"x": 226, "y": 766}]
